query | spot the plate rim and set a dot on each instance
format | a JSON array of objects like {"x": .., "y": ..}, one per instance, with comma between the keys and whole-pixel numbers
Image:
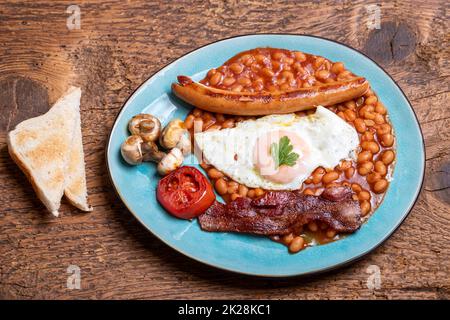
[{"x": 276, "y": 276}]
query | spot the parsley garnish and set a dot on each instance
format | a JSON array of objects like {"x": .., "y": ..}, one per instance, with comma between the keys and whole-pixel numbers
[{"x": 282, "y": 153}]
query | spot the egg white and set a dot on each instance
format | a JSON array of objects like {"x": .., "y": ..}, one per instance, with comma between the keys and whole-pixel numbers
[{"x": 329, "y": 138}]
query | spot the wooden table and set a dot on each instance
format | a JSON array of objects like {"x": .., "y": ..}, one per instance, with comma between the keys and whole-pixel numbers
[{"x": 119, "y": 45}]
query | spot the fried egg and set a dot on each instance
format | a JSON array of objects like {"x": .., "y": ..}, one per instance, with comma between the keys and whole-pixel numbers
[{"x": 278, "y": 152}]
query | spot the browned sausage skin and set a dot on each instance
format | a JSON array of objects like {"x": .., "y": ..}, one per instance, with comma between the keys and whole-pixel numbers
[{"x": 263, "y": 103}]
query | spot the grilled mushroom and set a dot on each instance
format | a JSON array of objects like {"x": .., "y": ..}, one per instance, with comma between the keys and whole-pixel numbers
[
  {"x": 146, "y": 126},
  {"x": 175, "y": 135},
  {"x": 131, "y": 150},
  {"x": 151, "y": 152},
  {"x": 170, "y": 162}
]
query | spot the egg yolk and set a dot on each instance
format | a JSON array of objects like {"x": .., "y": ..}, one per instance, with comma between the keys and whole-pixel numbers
[{"x": 264, "y": 161}]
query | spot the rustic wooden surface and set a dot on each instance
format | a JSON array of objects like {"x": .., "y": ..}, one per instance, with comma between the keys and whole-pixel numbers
[{"x": 119, "y": 45}]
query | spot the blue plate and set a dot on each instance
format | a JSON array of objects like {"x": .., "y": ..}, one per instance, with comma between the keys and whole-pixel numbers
[{"x": 251, "y": 254}]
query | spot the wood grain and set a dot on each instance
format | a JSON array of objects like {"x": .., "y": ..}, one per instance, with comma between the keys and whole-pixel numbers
[{"x": 119, "y": 45}]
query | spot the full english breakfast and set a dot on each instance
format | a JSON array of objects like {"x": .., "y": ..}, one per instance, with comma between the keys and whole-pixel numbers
[{"x": 298, "y": 148}]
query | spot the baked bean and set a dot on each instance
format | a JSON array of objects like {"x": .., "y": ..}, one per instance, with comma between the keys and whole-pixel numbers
[
  {"x": 331, "y": 233},
  {"x": 363, "y": 195},
  {"x": 369, "y": 122},
  {"x": 341, "y": 115},
  {"x": 197, "y": 112},
  {"x": 211, "y": 73},
  {"x": 308, "y": 192},
  {"x": 255, "y": 67},
  {"x": 216, "y": 79},
  {"x": 284, "y": 87},
  {"x": 367, "y": 108},
  {"x": 373, "y": 177},
  {"x": 379, "y": 108},
  {"x": 204, "y": 166},
  {"x": 322, "y": 74},
  {"x": 189, "y": 121},
  {"x": 371, "y": 100},
  {"x": 371, "y": 146},
  {"x": 344, "y": 165},
  {"x": 387, "y": 157},
  {"x": 244, "y": 81},
  {"x": 213, "y": 173},
  {"x": 337, "y": 67},
  {"x": 356, "y": 187},
  {"x": 380, "y": 186},
  {"x": 228, "y": 81},
  {"x": 278, "y": 55},
  {"x": 387, "y": 140},
  {"x": 258, "y": 85},
  {"x": 360, "y": 126},
  {"x": 221, "y": 186},
  {"x": 234, "y": 196},
  {"x": 220, "y": 117},
  {"x": 344, "y": 75},
  {"x": 288, "y": 61},
  {"x": 237, "y": 68},
  {"x": 379, "y": 119},
  {"x": 214, "y": 127},
  {"x": 242, "y": 190},
  {"x": 368, "y": 93},
  {"x": 299, "y": 56},
  {"x": 207, "y": 116},
  {"x": 318, "y": 62},
  {"x": 355, "y": 197},
  {"x": 296, "y": 245},
  {"x": 312, "y": 226},
  {"x": 331, "y": 185},
  {"x": 350, "y": 115},
  {"x": 369, "y": 115},
  {"x": 287, "y": 75},
  {"x": 349, "y": 172},
  {"x": 276, "y": 66},
  {"x": 260, "y": 58},
  {"x": 364, "y": 156},
  {"x": 232, "y": 187},
  {"x": 287, "y": 239},
  {"x": 330, "y": 177},
  {"x": 350, "y": 105},
  {"x": 380, "y": 168},
  {"x": 367, "y": 136},
  {"x": 365, "y": 207},
  {"x": 383, "y": 129},
  {"x": 359, "y": 101},
  {"x": 259, "y": 192},
  {"x": 317, "y": 177},
  {"x": 251, "y": 193},
  {"x": 228, "y": 123},
  {"x": 365, "y": 168},
  {"x": 267, "y": 72},
  {"x": 237, "y": 88}
]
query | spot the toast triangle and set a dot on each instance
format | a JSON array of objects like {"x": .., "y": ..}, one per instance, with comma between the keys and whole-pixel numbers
[
  {"x": 76, "y": 189},
  {"x": 39, "y": 147}
]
